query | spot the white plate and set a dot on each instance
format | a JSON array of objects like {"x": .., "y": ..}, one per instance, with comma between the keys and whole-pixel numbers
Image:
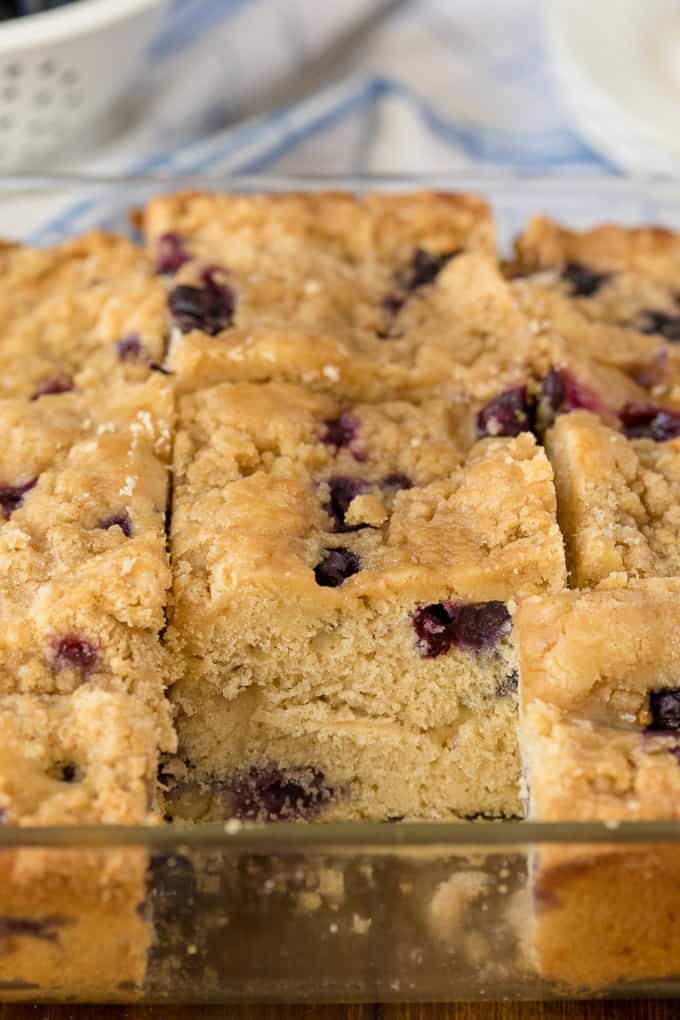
[{"x": 618, "y": 65}]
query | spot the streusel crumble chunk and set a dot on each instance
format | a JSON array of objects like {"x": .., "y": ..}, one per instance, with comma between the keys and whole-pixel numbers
[
  {"x": 621, "y": 281},
  {"x": 83, "y": 313},
  {"x": 365, "y": 298}
]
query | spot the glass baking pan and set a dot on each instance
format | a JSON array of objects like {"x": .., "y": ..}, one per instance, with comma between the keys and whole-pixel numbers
[{"x": 328, "y": 912}]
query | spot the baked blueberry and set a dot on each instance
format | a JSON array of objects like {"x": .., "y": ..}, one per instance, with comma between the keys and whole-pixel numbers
[
  {"x": 336, "y": 566},
  {"x": 668, "y": 326},
  {"x": 270, "y": 793},
  {"x": 664, "y": 706},
  {"x": 396, "y": 481},
  {"x": 473, "y": 626},
  {"x": 171, "y": 253},
  {"x": 12, "y": 497},
  {"x": 431, "y": 624},
  {"x": 58, "y": 384},
  {"x": 425, "y": 268},
  {"x": 66, "y": 772},
  {"x": 120, "y": 520},
  {"x": 209, "y": 307},
  {"x": 646, "y": 421},
  {"x": 394, "y": 302},
  {"x": 46, "y": 928},
  {"x": 340, "y": 431},
  {"x": 583, "y": 281},
  {"x": 131, "y": 348},
  {"x": 342, "y": 490},
  {"x": 73, "y": 652},
  {"x": 508, "y": 414},
  {"x": 560, "y": 393}
]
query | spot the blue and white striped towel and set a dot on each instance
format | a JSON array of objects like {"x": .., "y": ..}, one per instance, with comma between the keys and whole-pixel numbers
[
  {"x": 426, "y": 85},
  {"x": 358, "y": 87}
]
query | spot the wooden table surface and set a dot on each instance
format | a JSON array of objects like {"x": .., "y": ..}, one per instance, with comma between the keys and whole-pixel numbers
[{"x": 633, "y": 1010}]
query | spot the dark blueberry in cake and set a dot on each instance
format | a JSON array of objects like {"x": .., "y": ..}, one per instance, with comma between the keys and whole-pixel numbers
[
  {"x": 560, "y": 393},
  {"x": 574, "y": 395},
  {"x": 507, "y": 684},
  {"x": 343, "y": 489},
  {"x": 583, "y": 281},
  {"x": 46, "y": 928},
  {"x": 336, "y": 566},
  {"x": 473, "y": 626},
  {"x": 425, "y": 268},
  {"x": 66, "y": 773},
  {"x": 660, "y": 322},
  {"x": 431, "y": 624},
  {"x": 397, "y": 481},
  {"x": 171, "y": 253},
  {"x": 59, "y": 384},
  {"x": 120, "y": 520},
  {"x": 664, "y": 706},
  {"x": 394, "y": 302},
  {"x": 209, "y": 308},
  {"x": 12, "y": 497},
  {"x": 479, "y": 625},
  {"x": 131, "y": 348},
  {"x": 275, "y": 794},
  {"x": 508, "y": 414},
  {"x": 552, "y": 389},
  {"x": 73, "y": 652},
  {"x": 645, "y": 421},
  {"x": 340, "y": 431}
]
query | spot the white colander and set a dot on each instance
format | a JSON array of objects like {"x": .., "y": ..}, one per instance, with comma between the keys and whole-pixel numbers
[{"x": 62, "y": 69}]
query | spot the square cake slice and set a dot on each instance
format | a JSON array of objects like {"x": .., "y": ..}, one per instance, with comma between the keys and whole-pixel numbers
[
  {"x": 618, "y": 500},
  {"x": 328, "y": 263},
  {"x": 600, "y": 734},
  {"x": 86, "y": 312},
  {"x": 343, "y": 588},
  {"x": 620, "y": 281},
  {"x": 83, "y": 564},
  {"x": 626, "y": 276},
  {"x": 72, "y": 921},
  {"x": 360, "y": 297}
]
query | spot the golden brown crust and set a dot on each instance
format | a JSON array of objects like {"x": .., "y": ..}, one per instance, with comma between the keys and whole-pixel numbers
[
  {"x": 576, "y": 647},
  {"x": 328, "y": 288},
  {"x": 545, "y": 244},
  {"x": 611, "y": 291},
  {"x": 65, "y": 309},
  {"x": 379, "y": 225},
  {"x": 588, "y": 663}
]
